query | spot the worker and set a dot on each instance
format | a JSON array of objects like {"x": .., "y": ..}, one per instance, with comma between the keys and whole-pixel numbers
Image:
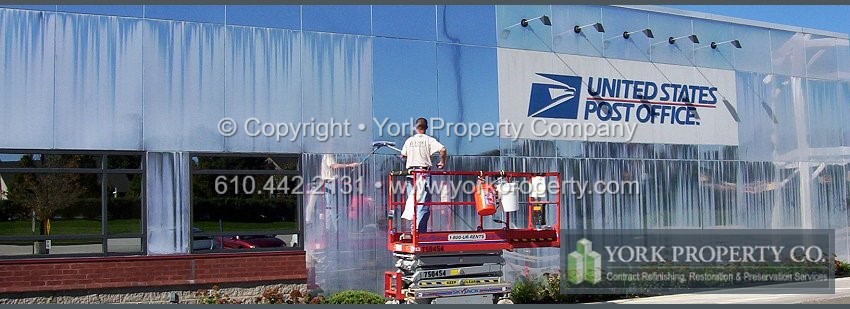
[
  {"x": 331, "y": 187},
  {"x": 417, "y": 151}
]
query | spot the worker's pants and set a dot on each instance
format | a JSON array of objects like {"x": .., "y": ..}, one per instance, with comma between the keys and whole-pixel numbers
[
  {"x": 331, "y": 204},
  {"x": 423, "y": 195}
]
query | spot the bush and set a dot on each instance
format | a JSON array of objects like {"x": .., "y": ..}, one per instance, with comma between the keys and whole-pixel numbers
[
  {"x": 275, "y": 296},
  {"x": 547, "y": 290},
  {"x": 842, "y": 269},
  {"x": 355, "y": 297},
  {"x": 526, "y": 291},
  {"x": 214, "y": 297},
  {"x": 270, "y": 296}
]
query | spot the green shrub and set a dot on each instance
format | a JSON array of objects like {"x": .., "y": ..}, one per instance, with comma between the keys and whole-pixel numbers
[
  {"x": 526, "y": 291},
  {"x": 552, "y": 290},
  {"x": 547, "y": 290},
  {"x": 355, "y": 297}
]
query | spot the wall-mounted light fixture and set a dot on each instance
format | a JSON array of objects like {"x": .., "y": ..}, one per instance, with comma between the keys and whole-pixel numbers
[
  {"x": 714, "y": 45},
  {"x": 735, "y": 43},
  {"x": 597, "y": 26},
  {"x": 524, "y": 23},
  {"x": 626, "y": 34},
  {"x": 692, "y": 37},
  {"x": 647, "y": 32}
]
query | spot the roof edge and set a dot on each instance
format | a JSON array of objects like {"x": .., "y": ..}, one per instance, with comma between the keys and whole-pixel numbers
[{"x": 736, "y": 20}]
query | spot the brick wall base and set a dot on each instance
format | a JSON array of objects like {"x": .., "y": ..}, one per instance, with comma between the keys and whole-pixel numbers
[{"x": 69, "y": 276}]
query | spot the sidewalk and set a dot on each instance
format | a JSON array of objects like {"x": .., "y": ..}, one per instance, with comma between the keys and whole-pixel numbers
[{"x": 841, "y": 296}]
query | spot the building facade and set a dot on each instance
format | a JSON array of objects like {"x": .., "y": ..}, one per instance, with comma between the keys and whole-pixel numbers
[{"x": 189, "y": 145}]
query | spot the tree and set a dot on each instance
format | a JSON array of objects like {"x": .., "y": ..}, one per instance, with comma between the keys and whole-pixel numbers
[{"x": 40, "y": 195}]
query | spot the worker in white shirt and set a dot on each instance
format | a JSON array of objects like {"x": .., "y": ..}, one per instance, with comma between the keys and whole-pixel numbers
[
  {"x": 417, "y": 151},
  {"x": 330, "y": 185}
]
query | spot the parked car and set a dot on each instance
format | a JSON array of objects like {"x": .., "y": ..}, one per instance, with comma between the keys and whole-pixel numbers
[
  {"x": 250, "y": 242},
  {"x": 234, "y": 241}
]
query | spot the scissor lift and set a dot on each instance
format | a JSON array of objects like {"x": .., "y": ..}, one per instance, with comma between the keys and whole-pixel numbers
[{"x": 438, "y": 264}]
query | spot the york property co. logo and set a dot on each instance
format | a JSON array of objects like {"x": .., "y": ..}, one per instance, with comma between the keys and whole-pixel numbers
[
  {"x": 584, "y": 264},
  {"x": 555, "y": 100}
]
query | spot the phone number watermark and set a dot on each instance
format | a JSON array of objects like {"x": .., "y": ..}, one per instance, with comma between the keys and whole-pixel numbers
[{"x": 273, "y": 185}]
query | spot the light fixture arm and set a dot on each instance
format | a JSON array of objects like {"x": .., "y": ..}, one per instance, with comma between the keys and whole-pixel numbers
[
  {"x": 692, "y": 37},
  {"x": 597, "y": 26},
  {"x": 735, "y": 43},
  {"x": 524, "y": 22},
  {"x": 626, "y": 34},
  {"x": 714, "y": 45}
]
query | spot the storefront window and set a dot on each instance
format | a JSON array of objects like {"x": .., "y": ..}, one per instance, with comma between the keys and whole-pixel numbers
[
  {"x": 70, "y": 204},
  {"x": 246, "y": 203}
]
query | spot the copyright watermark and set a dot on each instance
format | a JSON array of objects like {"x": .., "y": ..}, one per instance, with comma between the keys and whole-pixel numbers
[
  {"x": 537, "y": 128},
  {"x": 323, "y": 130},
  {"x": 289, "y": 131}
]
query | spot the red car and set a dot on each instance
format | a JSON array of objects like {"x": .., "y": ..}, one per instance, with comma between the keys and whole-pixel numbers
[
  {"x": 235, "y": 242},
  {"x": 249, "y": 242}
]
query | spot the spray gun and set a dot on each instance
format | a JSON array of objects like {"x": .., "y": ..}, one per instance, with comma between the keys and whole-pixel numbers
[{"x": 378, "y": 145}]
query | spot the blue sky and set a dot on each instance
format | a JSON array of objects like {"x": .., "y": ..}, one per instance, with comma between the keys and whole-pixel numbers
[{"x": 825, "y": 17}]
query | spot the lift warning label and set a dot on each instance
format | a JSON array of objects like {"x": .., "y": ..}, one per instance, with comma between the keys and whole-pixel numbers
[{"x": 467, "y": 237}]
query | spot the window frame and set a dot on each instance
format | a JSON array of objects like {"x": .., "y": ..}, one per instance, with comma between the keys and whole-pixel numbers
[
  {"x": 101, "y": 171},
  {"x": 193, "y": 171}
]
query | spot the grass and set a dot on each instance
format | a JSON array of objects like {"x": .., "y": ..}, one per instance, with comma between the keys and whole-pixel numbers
[{"x": 72, "y": 227}]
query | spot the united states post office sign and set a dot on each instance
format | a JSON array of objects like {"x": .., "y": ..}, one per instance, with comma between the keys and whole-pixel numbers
[{"x": 568, "y": 97}]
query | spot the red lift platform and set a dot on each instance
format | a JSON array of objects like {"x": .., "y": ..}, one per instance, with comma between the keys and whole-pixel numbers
[{"x": 437, "y": 264}]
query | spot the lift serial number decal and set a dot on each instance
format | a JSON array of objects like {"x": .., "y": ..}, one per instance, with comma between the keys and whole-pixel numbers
[
  {"x": 434, "y": 273},
  {"x": 467, "y": 237}
]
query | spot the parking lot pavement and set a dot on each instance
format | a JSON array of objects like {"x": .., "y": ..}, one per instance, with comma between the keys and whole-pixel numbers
[{"x": 841, "y": 296}]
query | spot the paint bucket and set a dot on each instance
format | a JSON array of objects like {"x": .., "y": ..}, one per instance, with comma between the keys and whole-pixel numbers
[
  {"x": 485, "y": 199},
  {"x": 507, "y": 194}
]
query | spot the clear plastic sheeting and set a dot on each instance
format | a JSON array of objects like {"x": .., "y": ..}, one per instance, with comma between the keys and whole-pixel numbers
[
  {"x": 345, "y": 220},
  {"x": 651, "y": 194},
  {"x": 167, "y": 196},
  {"x": 346, "y": 229}
]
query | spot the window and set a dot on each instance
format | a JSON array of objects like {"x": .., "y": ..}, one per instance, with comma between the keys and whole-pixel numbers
[
  {"x": 77, "y": 203},
  {"x": 246, "y": 203}
]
